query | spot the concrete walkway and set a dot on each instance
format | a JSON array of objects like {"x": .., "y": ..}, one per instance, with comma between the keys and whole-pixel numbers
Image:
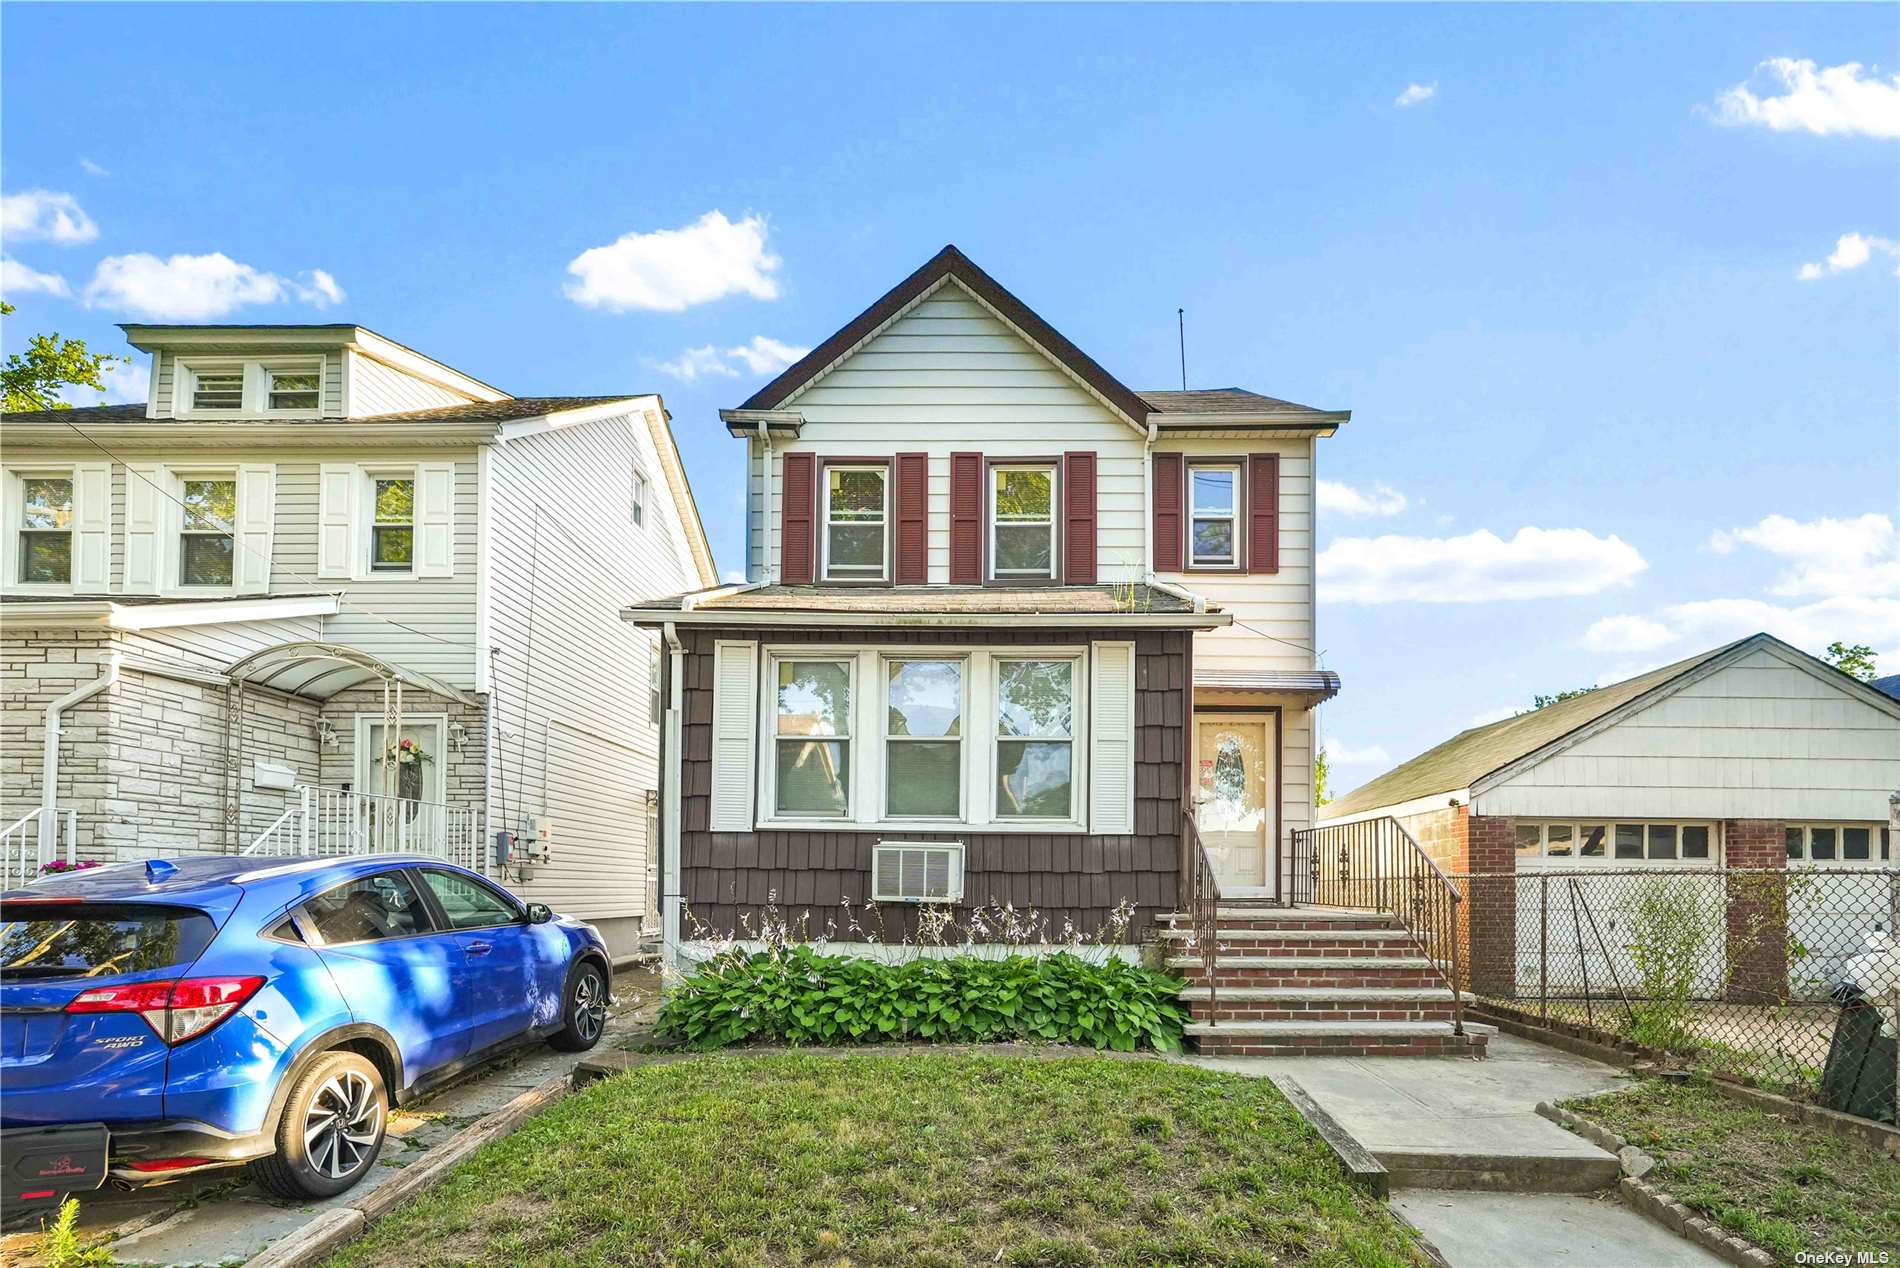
[{"x": 1514, "y": 1230}]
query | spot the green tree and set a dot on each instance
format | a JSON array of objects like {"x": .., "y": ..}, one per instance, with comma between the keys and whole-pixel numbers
[
  {"x": 32, "y": 379},
  {"x": 1538, "y": 702},
  {"x": 1856, "y": 659},
  {"x": 1321, "y": 772}
]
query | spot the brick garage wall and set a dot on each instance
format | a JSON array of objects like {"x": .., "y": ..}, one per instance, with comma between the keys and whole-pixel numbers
[
  {"x": 1756, "y": 911},
  {"x": 1480, "y": 853},
  {"x": 1442, "y": 834}
]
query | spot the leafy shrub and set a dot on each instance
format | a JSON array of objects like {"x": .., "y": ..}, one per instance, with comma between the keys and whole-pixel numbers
[
  {"x": 1674, "y": 933},
  {"x": 796, "y": 996}
]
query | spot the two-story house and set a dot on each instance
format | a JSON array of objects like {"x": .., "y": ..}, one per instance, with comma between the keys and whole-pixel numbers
[
  {"x": 324, "y": 593},
  {"x": 1003, "y": 618}
]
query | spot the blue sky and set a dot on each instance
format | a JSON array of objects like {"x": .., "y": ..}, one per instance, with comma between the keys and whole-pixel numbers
[{"x": 1560, "y": 289}]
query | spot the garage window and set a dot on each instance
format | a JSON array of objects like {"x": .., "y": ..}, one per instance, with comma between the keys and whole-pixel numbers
[
  {"x": 1838, "y": 843},
  {"x": 1617, "y": 844}
]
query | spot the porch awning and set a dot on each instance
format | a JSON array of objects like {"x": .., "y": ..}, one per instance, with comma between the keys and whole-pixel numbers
[
  {"x": 1316, "y": 685},
  {"x": 320, "y": 670}
]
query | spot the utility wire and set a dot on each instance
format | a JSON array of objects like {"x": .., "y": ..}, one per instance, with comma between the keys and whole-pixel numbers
[{"x": 236, "y": 544}]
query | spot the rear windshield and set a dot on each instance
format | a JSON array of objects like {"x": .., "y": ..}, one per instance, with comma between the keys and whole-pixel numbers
[{"x": 97, "y": 939}]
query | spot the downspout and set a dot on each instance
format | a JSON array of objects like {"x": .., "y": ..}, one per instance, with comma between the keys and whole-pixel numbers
[
  {"x": 670, "y": 897},
  {"x": 765, "y": 484},
  {"x": 1147, "y": 502},
  {"x": 49, "y": 763}
]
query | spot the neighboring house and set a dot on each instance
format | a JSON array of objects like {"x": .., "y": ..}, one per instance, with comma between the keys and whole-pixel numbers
[
  {"x": 1002, "y": 617},
  {"x": 1890, "y": 685},
  {"x": 311, "y": 546},
  {"x": 1753, "y": 755}
]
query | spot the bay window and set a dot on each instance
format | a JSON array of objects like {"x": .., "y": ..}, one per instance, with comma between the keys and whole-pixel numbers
[
  {"x": 1213, "y": 515},
  {"x": 1035, "y": 739},
  {"x": 46, "y": 530},
  {"x": 923, "y": 739},
  {"x": 811, "y": 739},
  {"x": 1022, "y": 522},
  {"x": 857, "y": 520},
  {"x": 206, "y": 545}
]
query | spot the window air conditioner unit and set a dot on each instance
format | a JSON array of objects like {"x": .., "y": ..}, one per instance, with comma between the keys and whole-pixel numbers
[{"x": 917, "y": 872}]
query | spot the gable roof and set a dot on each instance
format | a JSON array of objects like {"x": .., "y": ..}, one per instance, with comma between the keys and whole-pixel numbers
[
  {"x": 510, "y": 409},
  {"x": 1890, "y": 685},
  {"x": 952, "y": 263},
  {"x": 1470, "y": 756},
  {"x": 1237, "y": 401}
]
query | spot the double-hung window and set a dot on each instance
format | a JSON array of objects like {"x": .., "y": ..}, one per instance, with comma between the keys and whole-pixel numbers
[
  {"x": 46, "y": 530},
  {"x": 811, "y": 739},
  {"x": 923, "y": 739},
  {"x": 206, "y": 546},
  {"x": 639, "y": 496},
  {"x": 1213, "y": 515},
  {"x": 1022, "y": 522},
  {"x": 392, "y": 534},
  {"x": 291, "y": 389},
  {"x": 857, "y": 519},
  {"x": 1035, "y": 739},
  {"x": 217, "y": 389}
]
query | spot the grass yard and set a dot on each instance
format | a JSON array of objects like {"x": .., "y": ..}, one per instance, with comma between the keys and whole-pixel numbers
[
  {"x": 1782, "y": 1184},
  {"x": 908, "y": 1157}
]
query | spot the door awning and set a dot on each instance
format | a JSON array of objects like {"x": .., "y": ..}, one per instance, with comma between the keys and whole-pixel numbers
[{"x": 319, "y": 670}]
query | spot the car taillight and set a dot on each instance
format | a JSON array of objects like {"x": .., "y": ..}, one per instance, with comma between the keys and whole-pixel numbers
[{"x": 176, "y": 1011}]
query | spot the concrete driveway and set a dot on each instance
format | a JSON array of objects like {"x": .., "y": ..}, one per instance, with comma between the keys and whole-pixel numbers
[{"x": 224, "y": 1219}]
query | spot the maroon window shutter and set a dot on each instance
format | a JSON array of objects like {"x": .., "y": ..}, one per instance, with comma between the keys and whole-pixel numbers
[
  {"x": 1168, "y": 492},
  {"x": 1263, "y": 513},
  {"x": 913, "y": 503},
  {"x": 966, "y": 519},
  {"x": 797, "y": 503},
  {"x": 1078, "y": 519}
]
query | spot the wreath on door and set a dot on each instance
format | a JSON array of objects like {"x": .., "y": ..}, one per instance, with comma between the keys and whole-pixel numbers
[{"x": 409, "y": 758}]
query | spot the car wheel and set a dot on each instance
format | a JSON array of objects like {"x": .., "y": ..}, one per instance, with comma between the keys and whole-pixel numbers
[
  {"x": 584, "y": 1012},
  {"x": 331, "y": 1130}
]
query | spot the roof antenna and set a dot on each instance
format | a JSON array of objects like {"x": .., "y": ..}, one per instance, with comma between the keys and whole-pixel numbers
[{"x": 1180, "y": 320}]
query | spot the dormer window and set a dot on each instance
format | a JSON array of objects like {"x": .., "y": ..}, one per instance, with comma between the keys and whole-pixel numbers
[
  {"x": 217, "y": 390},
  {"x": 292, "y": 389},
  {"x": 857, "y": 520}
]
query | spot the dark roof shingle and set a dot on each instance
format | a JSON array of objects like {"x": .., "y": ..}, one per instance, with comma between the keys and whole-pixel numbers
[
  {"x": 1226, "y": 400},
  {"x": 938, "y": 600},
  {"x": 515, "y": 407}
]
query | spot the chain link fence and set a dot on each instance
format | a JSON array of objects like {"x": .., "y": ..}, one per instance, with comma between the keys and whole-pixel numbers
[{"x": 1732, "y": 970}]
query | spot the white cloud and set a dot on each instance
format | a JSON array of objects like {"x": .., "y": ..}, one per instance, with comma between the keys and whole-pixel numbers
[
  {"x": 198, "y": 287},
  {"x": 766, "y": 356},
  {"x": 1342, "y": 754},
  {"x": 698, "y": 363},
  {"x": 1836, "y": 100},
  {"x": 91, "y": 168},
  {"x": 1414, "y": 94},
  {"x": 1848, "y": 570},
  {"x": 1478, "y": 567},
  {"x": 1850, "y": 252},
  {"x": 1824, "y": 557},
  {"x": 43, "y": 213},
  {"x": 1343, "y": 499},
  {"x": 127, "y": 383},
  {"x": 19, "y": 279},
  {"x": 669, "y": 270}
]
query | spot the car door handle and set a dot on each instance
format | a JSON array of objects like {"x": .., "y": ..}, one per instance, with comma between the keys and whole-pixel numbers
[{"x": 478, "y": 948}]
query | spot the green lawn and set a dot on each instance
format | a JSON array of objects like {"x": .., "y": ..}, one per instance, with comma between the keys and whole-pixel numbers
[
  {"x": 1783, "y": 1185},
  {"x": 910, "y": 1157}
]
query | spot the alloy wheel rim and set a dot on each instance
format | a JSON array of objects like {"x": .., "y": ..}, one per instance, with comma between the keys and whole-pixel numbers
[
  {"x": 342, "y": 1125},
  {"x": 590, "y": 1006}
]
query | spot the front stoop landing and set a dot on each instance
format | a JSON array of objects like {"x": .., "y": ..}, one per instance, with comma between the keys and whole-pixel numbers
[{"x": 1305, "y": 981}]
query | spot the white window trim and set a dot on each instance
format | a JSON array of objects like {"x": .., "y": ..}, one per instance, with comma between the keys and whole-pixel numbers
[
  {"x": 1232, "y": 515},
  {"x": 364, "y": 770},
  {"x": 1544, "y": 859},
  {"x": 254, "y": 400},
  {"x": 1053, "y": 471},
  {"x": 1078, "y": 759},
  {"x": 824, "y": 536},
  {"x": 885, "y": 738},
  {"x": 16, "y": 478},
  {"x": 1806, "y": 828},
  {"x": 172, "y": 579},
  {"x": 866, "y": 800},
  {"x": 366, "y": 501},
  {"x": 642, "y": 493}
]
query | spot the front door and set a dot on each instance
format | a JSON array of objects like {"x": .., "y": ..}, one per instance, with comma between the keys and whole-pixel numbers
[{"x": 1235, "y": 800}]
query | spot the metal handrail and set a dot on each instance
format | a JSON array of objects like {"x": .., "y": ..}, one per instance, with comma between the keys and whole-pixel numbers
[
  {"x": 1376, "y": 865},
  {"x": 1200, "y": 897}
]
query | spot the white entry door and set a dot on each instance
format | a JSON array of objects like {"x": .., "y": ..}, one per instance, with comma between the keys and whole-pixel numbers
[
  {"x": 1236, "y": 799},
  {"x": 412, "y": 772}
]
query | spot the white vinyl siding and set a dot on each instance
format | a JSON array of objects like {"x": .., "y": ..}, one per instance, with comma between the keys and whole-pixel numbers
[
  {"x": 1762, "y": 738},
  {"x": 949, "y": 376},
  {"x": 1112, "y": 761},
  {"x": 376, "y": 388}
]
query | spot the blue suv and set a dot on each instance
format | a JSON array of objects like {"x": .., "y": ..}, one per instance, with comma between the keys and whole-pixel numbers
[{"x": 165, "y": 1018}]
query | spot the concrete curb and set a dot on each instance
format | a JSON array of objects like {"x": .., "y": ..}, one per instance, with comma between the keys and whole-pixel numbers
[
  {"x": 339, "y": 1226},
  {"x": 1647, "y": 1200},
  {"x": 1366, "y": 1171},
  {"x": 1864, "y": 1130}
]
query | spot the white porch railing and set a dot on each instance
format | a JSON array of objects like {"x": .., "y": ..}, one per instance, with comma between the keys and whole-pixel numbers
[
  {"x": 24, "y": 848},
  {"x": 327, "y": 821}
]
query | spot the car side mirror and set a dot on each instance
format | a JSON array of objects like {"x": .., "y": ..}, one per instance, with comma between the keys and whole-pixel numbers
[{"x": 539, "y": 913}]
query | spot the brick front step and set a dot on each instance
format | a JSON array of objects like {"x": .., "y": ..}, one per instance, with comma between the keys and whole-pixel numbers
[
  {"x": 1305, "y": 941},
  {"x": 1244, "y": 1004},
  {"x": 1285, "y": 918},
  {"x": 1312, "y": 973},
  {"x": 1338, "y": 1039}
]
